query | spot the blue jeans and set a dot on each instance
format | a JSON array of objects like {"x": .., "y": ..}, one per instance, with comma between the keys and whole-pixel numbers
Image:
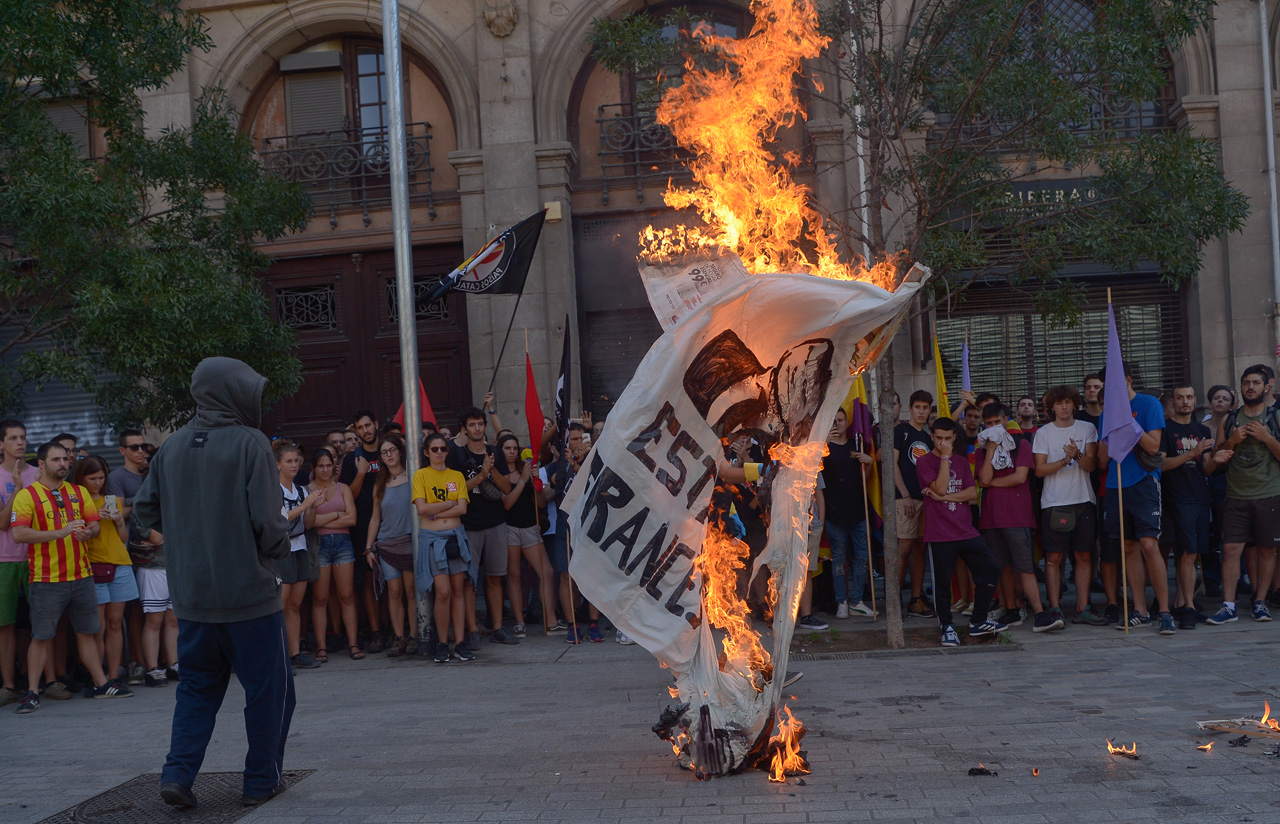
[
  {"x": 207, "y": 652},
  {"x": 842, "y": 538}
]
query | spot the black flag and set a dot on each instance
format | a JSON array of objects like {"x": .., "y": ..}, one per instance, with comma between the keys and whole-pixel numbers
[
  {"x": 562, "y": 389},
  {"x": 500, "y": 268}
]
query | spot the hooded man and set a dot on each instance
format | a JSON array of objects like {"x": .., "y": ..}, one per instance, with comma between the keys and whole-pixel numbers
[{"x": 214, "y": 493}]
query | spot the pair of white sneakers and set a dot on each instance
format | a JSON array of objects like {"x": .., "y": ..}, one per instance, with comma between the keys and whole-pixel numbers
[{"x": 846, "y": 611}]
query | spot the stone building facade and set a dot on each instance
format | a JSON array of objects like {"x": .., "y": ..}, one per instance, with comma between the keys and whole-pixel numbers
[{"x": 508, "y": 113}]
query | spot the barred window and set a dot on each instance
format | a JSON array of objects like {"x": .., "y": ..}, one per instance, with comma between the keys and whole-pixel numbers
[{"x": 308, "y": 308}]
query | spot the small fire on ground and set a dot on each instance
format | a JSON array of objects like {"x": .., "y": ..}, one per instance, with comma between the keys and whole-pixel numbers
[
  {"x": 1130, "y": 751},
  {"x": 785, "y": 745}
]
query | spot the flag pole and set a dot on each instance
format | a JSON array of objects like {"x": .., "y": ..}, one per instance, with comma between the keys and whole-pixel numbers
[
  {"x": 1124, "y": 567},
  {"x": 866, "y": 512},
  {"x": 507, "y": 337},
  {"x": 406, "y": 314}
]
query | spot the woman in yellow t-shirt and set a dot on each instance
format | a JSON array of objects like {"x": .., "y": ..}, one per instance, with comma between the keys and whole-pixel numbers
[
  {"x": 112, "y": 567},
  {"x": 440, "y": 495}
]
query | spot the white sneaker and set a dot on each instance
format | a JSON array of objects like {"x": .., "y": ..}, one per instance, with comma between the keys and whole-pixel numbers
[
  {"x": 625, "y": 639},
  {"x": 842, "y": 611},
  {"x": 860, "y": 609}
]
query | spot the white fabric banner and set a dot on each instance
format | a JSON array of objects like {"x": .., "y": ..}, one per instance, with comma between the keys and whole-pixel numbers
[{"x": 770, "y": 355}]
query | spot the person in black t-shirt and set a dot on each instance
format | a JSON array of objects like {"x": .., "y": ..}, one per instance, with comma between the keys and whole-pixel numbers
[
  {"x": 360, "y": 468},
  {"x": 524, "y": 538},
  {"x": 1186, "y": 489},
  {"x": 911, "y": 442},
  {"x": 846, "y": 514},
  {"x": 485, "y": 522}
]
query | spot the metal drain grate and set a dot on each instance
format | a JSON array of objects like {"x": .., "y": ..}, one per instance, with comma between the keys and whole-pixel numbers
[{"x": 137, "y": 801}]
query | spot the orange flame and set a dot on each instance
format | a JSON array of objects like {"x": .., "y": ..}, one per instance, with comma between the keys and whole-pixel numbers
[
  {"x": 1132, "y": 749},
  {"x": 785, "y": 744},
  {"x": 1035, "y": 772},
  {"x": 728, "y": 117},
  {"x": 721, "y": 558},
  {"x": 679, "y": 742},
  {"x": 1267, "y": 721},
  {"x": 1205, "y": 747}
]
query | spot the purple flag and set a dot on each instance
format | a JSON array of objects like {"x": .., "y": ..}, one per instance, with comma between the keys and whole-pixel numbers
[
  {"x": 1120, "y": 431},
  {"x": 966, "y": 383}
]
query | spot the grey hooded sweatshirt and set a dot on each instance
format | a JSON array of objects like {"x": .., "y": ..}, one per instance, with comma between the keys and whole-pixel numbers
[{"x": 213, "y": 492}]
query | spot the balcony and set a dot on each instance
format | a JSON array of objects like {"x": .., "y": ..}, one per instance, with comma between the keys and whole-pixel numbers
[
  {"x": 347, "y": 169},
  {"x": 636, "y": 149}
]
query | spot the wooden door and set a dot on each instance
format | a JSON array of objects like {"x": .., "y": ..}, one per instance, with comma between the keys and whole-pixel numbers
[{"x": 343, "y": 311}]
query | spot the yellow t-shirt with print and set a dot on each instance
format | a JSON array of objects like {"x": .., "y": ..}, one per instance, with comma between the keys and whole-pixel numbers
[{"x": 437, "y": 486}]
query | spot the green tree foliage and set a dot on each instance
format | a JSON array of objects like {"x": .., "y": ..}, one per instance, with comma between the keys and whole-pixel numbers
[
  {"x": 949, "y": 104},
  {"x": 121, "y": 272}
]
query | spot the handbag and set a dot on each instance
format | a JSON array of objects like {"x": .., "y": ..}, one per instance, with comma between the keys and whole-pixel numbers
[
  {"x": 1062, "y": 518},
  {"x": 103, "y": 573},
  {"x": 397, "y": 552}
]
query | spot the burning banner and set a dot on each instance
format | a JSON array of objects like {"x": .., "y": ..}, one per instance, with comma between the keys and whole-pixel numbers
[{"x": 772, "y": 355}]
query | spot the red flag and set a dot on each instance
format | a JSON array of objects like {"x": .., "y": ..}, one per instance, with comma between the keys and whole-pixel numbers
[
  {"x": 532, "y": 410},
  {"x": 424, "y": 406},
  {"x": 532, "y": 406}
]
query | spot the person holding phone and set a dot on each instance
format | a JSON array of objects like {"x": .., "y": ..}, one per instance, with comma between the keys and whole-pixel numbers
[
  {"x": 109, "y": 560},
  {"x": 523, "y": 541}
]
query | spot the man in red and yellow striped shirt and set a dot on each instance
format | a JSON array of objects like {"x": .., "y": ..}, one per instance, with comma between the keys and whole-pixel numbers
[{"x": 54, "y": 519}]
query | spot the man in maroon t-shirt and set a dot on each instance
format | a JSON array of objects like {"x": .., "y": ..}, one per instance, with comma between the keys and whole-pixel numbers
[
  {"x": 1006, "y": 519},
  {"x": 949, "y": 492}
]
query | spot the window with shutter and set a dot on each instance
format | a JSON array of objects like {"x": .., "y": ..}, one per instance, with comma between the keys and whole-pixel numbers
[
  {"x": 315, "y": 102},
  {"x": 70, "y": 120}
]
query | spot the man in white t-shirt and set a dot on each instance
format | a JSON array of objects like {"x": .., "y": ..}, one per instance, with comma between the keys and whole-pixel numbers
[{"x": 1066, "y": 452}]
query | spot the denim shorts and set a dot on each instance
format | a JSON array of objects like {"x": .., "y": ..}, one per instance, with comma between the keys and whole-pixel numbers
[
  {"x": 390, "y": 573},
  {"x": 336, "y": 549},
  {"x": 124, "y": 588}
]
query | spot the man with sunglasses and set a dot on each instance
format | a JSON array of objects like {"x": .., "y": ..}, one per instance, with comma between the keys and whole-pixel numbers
[{"x": 124, "y": 482}]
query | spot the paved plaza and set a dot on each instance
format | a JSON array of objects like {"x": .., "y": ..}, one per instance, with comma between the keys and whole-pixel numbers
[{"x": 551, "y": 733}]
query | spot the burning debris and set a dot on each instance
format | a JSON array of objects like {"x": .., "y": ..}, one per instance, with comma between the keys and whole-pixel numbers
[
  {"x": 1205, "y": 747},
  {"x": 1242, "y": 741},
  {"x": 982, "y": 770},
  {"x": 1130, "y": 751},
  {"x": 787, "y": 757},
  {"x": 1264, "y": 727},
  {"x": 1035, "y": 772}
]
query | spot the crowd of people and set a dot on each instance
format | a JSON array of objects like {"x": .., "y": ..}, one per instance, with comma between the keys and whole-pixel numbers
[{"x": 995, "y": 502}]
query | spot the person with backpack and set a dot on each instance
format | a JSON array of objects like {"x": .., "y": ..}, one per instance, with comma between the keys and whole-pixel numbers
[{"x": 1249, "y": 447}]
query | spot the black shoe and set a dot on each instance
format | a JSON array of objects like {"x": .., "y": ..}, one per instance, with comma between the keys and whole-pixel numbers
[
  {"x": 442, "y": 653},
  {"x": 463, "y": 652},
  {"x": 501, "y": 636},
  {"x": 255, "y": 800},
  {"x": 1047, "y": 621},
  {"x": 176, "y": 795},
  {"x": 172, "y": 674},
  {"x": 1112, "y": 614},
  {"x": 1186, "y": 618}
]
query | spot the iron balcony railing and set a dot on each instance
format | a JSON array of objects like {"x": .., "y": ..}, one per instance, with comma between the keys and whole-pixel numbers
[
  {"x": 348, "y": 168},
  {"x": 636, "y": 149}
]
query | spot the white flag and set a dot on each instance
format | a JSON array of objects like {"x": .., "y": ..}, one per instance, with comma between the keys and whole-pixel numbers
[{"x": 770, "y": 356}]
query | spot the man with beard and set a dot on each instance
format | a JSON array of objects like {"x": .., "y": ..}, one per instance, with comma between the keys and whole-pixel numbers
[
  {"x": 360, "y": 472},
  {"x": 1187, "y": 490},
  {"x": 1249, "y": 440},
  {"x": 56, "y": 519}
]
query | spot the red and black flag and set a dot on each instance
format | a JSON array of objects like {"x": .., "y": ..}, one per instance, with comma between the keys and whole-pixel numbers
[
  {"x": 500, "y": 268},
  {"x": 562, "y": 391}
]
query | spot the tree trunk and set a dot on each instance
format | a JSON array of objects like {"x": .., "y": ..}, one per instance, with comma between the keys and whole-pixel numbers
[{"x": 892, "y": 599}]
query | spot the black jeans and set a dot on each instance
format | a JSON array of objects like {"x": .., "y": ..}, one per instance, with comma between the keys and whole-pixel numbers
[{"x": 982, "y": 566}]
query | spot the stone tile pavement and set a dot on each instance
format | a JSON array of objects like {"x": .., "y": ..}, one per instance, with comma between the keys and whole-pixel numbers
[{"x": 548, "y": 733}]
